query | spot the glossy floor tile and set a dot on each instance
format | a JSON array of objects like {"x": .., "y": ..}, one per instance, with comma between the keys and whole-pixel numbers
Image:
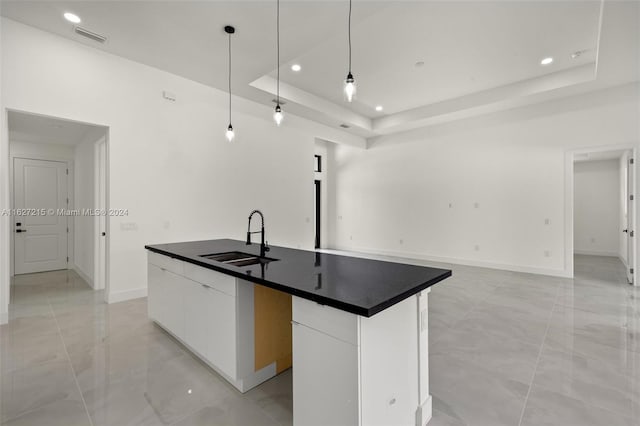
[{"x": 506, "y": 348}]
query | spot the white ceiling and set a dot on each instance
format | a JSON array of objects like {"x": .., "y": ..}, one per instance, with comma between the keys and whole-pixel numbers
[
  {"x": 477, "y": 54},
  {"x": 33, "y": 128},
  {"x": 466, "y": 48}
]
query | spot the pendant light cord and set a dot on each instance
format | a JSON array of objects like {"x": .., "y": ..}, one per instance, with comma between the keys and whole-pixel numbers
[
  {"x": 278, "y": 50},
  {"x": 229, "y": 79},
  {"x": 349, "y": 36}
]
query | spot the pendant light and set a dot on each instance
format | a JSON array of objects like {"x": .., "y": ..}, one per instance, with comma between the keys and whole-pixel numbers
[
  {"x": 349, "y": 82},
  {"x": 229, "y": 134},
  {"x": 277, "y": 115}
]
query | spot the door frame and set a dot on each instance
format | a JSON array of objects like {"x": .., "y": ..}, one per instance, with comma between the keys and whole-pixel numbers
[
  {"x": 569, "y": 203},
  {"x": 70, "y": 196},
  {"x": 101, "y": 166},
  {"x": 317, "y": 186}
]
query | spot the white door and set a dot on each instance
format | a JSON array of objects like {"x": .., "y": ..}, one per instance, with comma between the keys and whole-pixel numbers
[
  {"x": 631, "y": 223},
  {"x": 40, "y": 190}
]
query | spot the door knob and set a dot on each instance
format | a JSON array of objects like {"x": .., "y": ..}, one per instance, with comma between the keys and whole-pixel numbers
[
  {"x": 625, "y": 230},
  {"x": 20, "y": 230}
]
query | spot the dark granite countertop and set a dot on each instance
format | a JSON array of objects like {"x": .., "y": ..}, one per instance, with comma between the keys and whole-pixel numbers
[{"x": 360, "y": 286}]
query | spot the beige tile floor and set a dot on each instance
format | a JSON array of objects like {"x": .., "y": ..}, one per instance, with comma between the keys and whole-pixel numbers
[{"x": 506, "y": 349}]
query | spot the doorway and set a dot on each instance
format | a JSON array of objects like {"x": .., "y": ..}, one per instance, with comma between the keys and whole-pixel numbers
[
  {"x": 318, "y": 209},
  {"x": 58, "y": 173},
  {"x": 604, "y": 209}
]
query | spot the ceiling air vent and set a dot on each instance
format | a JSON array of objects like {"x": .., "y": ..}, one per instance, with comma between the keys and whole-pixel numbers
[
  {"x": 89, "y": 34},
  {"x": 344, "y": 126}
]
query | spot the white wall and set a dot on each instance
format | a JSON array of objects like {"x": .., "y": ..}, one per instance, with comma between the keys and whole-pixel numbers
[
  {"x": 477, "y": 191},
  {"x": 169, "y": 163},
  {"x": 596, "y": 207}
]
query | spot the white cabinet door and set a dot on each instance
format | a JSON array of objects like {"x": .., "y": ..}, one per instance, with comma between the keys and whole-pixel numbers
[
  {"x": 166, "y": 299},
  {"x": 156, "y": 293},
  {"x": 221, "y": 327},
  {"x": 325, "y": 379},
  {"x": 196, "y": 316}
]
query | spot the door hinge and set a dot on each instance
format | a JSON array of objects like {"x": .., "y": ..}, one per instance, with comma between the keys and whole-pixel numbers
[
  {"x": 67, "y": 259},
  {"x": 630, "y": 160},
  {"x": 67, "y": 230},
  {"x": 67, "y": 172},
  {"x": 631, "y": 197},
  {"x": 631, "y": 271},
  {"x": 67, "y": 201},
  {"x": 632, "y": 234}
]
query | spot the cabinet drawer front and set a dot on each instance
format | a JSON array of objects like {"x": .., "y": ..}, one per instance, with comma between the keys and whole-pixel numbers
[
  {"x": 334, "y": 322},
  {"x": 165, "y": 262},
  {"x": 213, "y": 279}
]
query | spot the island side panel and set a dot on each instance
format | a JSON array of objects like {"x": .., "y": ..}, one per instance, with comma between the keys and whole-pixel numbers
[
  {"x": 352, "y": 370},
  {"x": 389, "y": 365}
]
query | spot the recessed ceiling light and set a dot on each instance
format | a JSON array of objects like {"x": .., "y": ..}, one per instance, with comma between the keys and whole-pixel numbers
[
  {"x": 72, "y": 17},
  {"x": 419, "y": 63},
  {"x": 379, "y": 108},
  {"x": 296, "y": 67},
  {"x": 546, "y": 61}
]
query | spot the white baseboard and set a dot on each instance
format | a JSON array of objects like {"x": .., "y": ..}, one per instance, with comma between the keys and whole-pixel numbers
[
  {"x": 596, "y": 253},
  {"x": 456, "y": 261},
  {"x": 4, "y": 317},
  {"x": 83, "y": 276},
  {"x": 121, "y": 296}
]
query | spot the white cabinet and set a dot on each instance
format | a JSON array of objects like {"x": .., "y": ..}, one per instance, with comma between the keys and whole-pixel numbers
[
  {"x": 166, "y": 299},
  {"x": 221, "y": 323},
  {"x": 210, "y": 325},
  {"x": 209, "y": 312},
  {"x": 197, "y": 325}
]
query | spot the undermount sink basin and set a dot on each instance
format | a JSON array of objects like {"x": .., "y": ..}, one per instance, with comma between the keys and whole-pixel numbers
[{"x": 237, "y": 258}]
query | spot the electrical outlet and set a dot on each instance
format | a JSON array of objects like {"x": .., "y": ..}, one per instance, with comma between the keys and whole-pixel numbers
[
  {"x": 128, "y": 226},
  {"x": 547, "y": 222},
  {"x": 166, "y": 224},
  {"x": 476, "y": 205},
  {"x": 593, "y": 240},
  {"x": 476, "y": 248},
  {"x": 450, "y": 205},
  {"x": 401, "y": 241},
  {"x": 547, "y": 253},
  {"x": 306, "y": 219}
]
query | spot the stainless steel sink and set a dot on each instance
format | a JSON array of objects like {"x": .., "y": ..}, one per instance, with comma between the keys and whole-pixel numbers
[{"x": 237, "y": 258}]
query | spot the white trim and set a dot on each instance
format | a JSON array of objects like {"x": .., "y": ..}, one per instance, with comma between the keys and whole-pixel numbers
[
  {"x": 83, "y": 275},
  {"x": 363, "y": 252},
  {"x": 598, "y": 253},
  {"x": 424, "y": 412},
  {"x": 121, "y": 296}
]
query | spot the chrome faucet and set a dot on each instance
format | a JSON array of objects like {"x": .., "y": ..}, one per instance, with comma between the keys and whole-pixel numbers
[{"x": 263, "y": 246}]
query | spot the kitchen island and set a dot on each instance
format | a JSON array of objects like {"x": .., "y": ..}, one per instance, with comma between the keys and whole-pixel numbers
[{"x": 355, "y": 330}]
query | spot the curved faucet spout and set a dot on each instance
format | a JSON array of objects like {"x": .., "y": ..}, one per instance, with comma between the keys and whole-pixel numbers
[{"x": 263, "y": 246}]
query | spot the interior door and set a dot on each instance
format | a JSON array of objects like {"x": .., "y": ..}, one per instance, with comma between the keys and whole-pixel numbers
[
  {"x": 631, "y": 223},
  {"x": 40, "y": 190}
]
